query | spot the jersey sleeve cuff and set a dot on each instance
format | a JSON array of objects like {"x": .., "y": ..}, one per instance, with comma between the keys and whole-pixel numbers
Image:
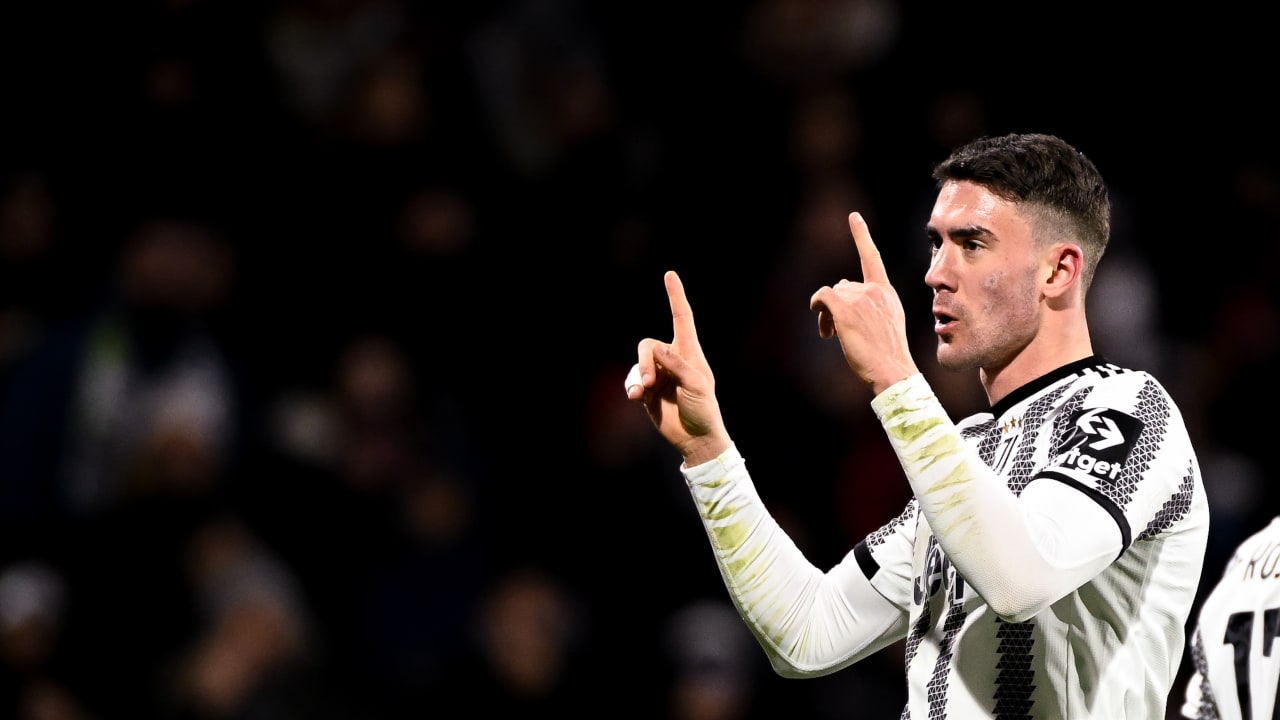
[
  {"x": 910, "y": 392},
  {"x": 714, "y": 470}
]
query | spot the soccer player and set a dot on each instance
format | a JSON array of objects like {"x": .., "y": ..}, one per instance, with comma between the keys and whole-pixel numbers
[
  {"x": 1234, "y": 649},
  {"x": 1048, "y": 558}
]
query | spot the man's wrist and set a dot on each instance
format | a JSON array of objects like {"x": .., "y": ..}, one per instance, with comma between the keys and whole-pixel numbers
[{"x": 704, "y": 449}]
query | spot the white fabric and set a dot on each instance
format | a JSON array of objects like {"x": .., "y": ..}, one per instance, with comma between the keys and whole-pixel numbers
[
  {"x": 1019, "y": 552},
  {"x": 1235, "y": 651},
  {"x": 1080, "y": 506},
  {"x": 809, "y": 622}
]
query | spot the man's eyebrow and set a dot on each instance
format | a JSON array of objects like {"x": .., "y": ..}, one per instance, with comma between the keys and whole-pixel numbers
[
  {"x": 970, "y": 231},
  {"x": 966, "y": 232}
]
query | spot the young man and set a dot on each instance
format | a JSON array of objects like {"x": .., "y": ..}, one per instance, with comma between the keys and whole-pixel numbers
[
  {"x": 1234, "y": 651},
  {"x": 1047, "y": 562}
]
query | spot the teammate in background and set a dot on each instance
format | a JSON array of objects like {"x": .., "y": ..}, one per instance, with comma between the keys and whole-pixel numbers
[
  {"x": 1047, "y": 562},
  {"x": 1234, "y": 649}
]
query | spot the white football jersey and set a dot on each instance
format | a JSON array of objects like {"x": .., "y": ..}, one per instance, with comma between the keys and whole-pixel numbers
[
  {"x": 1076, "y": 504},
  {"x": 1111, "y": 648},
  {"x": 1234, "y": 648}
]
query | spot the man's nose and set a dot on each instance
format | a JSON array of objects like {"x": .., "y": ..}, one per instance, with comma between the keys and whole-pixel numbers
[{"x": 938, "y": 276}]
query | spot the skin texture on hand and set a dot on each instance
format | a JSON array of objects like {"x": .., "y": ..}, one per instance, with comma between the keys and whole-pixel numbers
[
  {"x": 676, "y": 385},
  {"x": 867, "y": 317}
]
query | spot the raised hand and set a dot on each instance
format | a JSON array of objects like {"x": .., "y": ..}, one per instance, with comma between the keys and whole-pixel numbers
[
  {"x": 675, "y": 384},
  {"x": 867, "y": 317}
]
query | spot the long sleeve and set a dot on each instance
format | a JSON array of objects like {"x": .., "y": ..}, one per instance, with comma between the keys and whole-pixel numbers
[
  {"x": 809, "y": 622},
  {"x": 1019, "y": 552}
]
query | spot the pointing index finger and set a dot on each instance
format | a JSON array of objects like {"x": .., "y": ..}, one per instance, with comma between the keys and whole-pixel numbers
[
  {"x": 872, "y": 264},
  {"x": 681, "y": 312}
]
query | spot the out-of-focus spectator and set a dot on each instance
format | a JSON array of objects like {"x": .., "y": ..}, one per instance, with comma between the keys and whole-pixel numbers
[
  {"x": 141, "y": 380},
  {"x": 113, "y": 430},
  {"x": 133, "y": 391},
  {"x": 318, "y": 50},
  {"x": 28, "y": 302},
  {"x": 253, "y": 650},
  {"x": 541, "y": 81},
  {"x": 798, "y": 42},
  {"x": 714, "y": 672},
  {"x": 525, "y": 658},
  {"x": 382, "y": 522},
  {"x": 417, "y": 604},
  {"x": 33, "y": 599}
]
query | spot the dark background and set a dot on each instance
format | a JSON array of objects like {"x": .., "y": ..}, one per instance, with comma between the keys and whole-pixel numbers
[{"x": 350, "y": 287}]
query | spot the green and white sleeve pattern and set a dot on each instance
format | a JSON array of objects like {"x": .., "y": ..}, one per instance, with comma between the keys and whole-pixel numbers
[
  {"x": 1020, "y": 553},
  {"x": 809, "y": 622}
]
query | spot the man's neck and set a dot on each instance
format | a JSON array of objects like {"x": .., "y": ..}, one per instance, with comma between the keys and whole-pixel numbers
[{"x": 1035, "y": 360}]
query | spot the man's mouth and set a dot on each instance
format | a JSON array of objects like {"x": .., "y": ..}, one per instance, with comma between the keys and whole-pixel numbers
[{"x": 943, "y": 322}]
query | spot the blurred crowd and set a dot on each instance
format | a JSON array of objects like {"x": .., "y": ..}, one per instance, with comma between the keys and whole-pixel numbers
[{"x": 314, "y": 316}]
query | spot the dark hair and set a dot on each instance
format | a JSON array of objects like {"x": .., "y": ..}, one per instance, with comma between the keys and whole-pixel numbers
[{"x": 1043, "y": 171}]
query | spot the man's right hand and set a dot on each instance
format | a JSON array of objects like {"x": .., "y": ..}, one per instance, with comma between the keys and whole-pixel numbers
[{"x": 675, "y": 384}]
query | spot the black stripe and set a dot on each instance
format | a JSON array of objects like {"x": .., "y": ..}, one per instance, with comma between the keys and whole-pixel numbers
[
  {"x": 1126, "y": 535},
  {"x": 1015, "y": 673},
  {"x": 1044, "y": 381},
  {"x": 866, "y": 562}
]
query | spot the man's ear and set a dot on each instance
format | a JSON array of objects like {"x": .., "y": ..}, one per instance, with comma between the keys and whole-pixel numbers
[{"x": 1065, "y": 263}]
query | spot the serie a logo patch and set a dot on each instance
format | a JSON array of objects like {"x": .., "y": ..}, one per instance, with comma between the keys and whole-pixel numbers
[{"x": 1100, "y": 441}]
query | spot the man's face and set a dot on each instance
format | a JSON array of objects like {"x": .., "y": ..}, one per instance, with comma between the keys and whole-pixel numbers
[{"x": 984, "y": 274}]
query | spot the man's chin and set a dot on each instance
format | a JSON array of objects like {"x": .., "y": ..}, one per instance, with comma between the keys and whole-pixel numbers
[{"x": 949, "y": 357}]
